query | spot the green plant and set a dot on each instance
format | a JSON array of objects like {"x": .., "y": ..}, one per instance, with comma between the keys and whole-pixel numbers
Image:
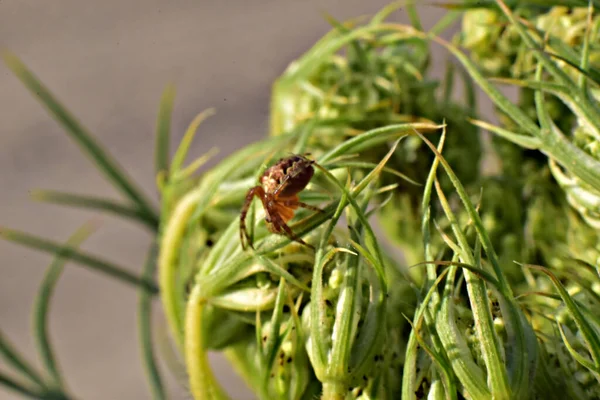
[{"x": 496, "y": 293}]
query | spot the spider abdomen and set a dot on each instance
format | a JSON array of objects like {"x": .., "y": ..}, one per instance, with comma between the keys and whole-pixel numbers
[{"x": 291, "y": 173}]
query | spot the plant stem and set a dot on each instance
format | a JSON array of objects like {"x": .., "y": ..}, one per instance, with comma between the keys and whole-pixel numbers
[{"x": 334, "y": 391}]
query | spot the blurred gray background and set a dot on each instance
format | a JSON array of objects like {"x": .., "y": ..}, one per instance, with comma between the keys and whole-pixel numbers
[{"x": 108, "y": 62}]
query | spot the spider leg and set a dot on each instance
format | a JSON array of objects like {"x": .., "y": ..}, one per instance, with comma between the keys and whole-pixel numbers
[
  {"x": 282, "y": 227},
  {"x": 296, "y": 203},
  {"x": 245, "y": 238}
]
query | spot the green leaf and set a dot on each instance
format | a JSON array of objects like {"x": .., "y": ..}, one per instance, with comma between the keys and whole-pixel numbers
[
  {"x": 69, "y": 252},
  {"x": 587, "y": 330},
  {"x": 347, "y": 314},
  {"x": 163, "y": 131},
  {"x": 479, "y": 301},
  {"x": 42, "y": 305},
  {"x": 188, "y": 137},
  {"x": 442, "y": 364},
  {"x": 96, "y": 203},
  {"x": 585, "y": 53},
  {"x": 12, "y": 357},
  {"x": 317, "y": 349},
  {"x": 578, "y": 357},
  {"x": 523, "y": 340},
  {"x": 369, "y": 165},
  {"x": 203, "y": 383},
  {"x": 585, "y": 106},
  {"x": 145, "y": 328},
  {"x": 445, "y": 22},
  {"x": 374, "y": 137},
  {"x": 409, "y": 371},
  {"x": 528, "y": 142},
  {"x": 276, "y": 269},
  {"x": 104, "y": 162},
  {"x": 385, "y": 12},
  {"x": 497, "y": 97},
  {"x": 18, "y": 387},
  {"x": 269, "y": 352}
]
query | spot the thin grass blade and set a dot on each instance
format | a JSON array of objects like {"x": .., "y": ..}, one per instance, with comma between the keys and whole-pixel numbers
[
  {"x": 145, "y": 328},
  {"x": 42, "y": 306},
  {"x": 203, "y": 383},
  {"x": 528, "y": 142},
  {"x": 274, "y": 338},
  {"x": 163, "y": 131},
  {"x": 588, "y": 332},
  {"x": 104, "y": 162},
  {"x": 12, "y": 357},
  {"x": 18, "y": 387},
  {"x": 96, "y": 203},
  {"x": 87, "y": 260},
  {"x": 188, "y": 137}
]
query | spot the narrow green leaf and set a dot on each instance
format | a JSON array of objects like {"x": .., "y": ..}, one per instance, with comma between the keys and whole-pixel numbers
[
  {"x": 163, "y": 131},
  {"x": 347, "y": 314},
  {"x": 470, "y": 92},
  {"x": 69, "y": 252},
  {"x": 376, "y": 136},
  {"x": 385, "y": 12},
  {"x": 96, "y": 203},
  {"x": 569, "y": 55},
  {"x": 466, "y": 5},
  {"x": 12, "y": 357},
  {"x": 274, "y": 338},
  {"x": 42, "y": 305},
  {"x": 317, "y": 349},
  {"x": 426, "y": 218},
  {"x": 104, "y": 162},
  {"x": 528, "y": 142},
  {"x": 203, "y": 383},
  {"x": 560, "y": 75},
  {"x": 482, "y": 315},
  {"x": 363, "y": 164},
  {"x": 276, "y": 269},
  {"x": 497, "y": 97},
  {"x": 585, "y": 105},
  {"x": 305, "y": 66},
  {"x": 145, "y": 328},
  {"x": 480, "y": 272},
  {"x": 413, "y": 15},
  {"x": 448, "y": 83},
  {"x": 23, "y": 390},
  {"x": 542, "y": 112},
  {"x": 521, "y": 333},
  {"x": 369, "y": 335},
  {"x": 568, "y": 96},
  {"x": 578, "y": 357},
  {"x": 442, "y": 364},
  {"x": 445, "y": 22},
  {"x": 318, "y": 334},
  {"x": 188, "y": 137},
  {"x": 409, "y": 372},
  {"x": 356, "y": 46},
  {"x": 375, "y": 171},
  {"x": 587, "y": 330},
  {"x": 188, "y": 171}
]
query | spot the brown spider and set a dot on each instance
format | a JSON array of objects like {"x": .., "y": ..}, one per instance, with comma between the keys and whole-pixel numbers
[{"x": 278, "y": 192}]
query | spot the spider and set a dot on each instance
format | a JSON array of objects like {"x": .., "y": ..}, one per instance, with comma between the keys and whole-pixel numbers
[{"x": 278, "y": 192}]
